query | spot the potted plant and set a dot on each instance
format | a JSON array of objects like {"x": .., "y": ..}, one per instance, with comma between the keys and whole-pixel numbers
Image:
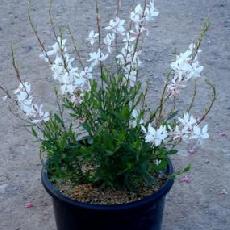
[{"x": 105, "y": 153}]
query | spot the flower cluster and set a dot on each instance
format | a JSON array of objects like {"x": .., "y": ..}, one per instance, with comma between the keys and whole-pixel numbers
[
  {"x": 185, "y": 67},
  {"x": 129, "y": 56},
  {"x": 185, "y": 128},
  {"x": 116, "y": 26},
  {"x": 25, "y": 101},
  {"x": 96, "y": 58},
  {"x": 155, "y": 136},
  {"x": 188, "y": 129},
  {"x": 139, "y": 16},
  {"x": 73, "y": 80},
  {"x": 65, "y": 71},
  {"x": 108, "y": 41},
  {"x": 92, "y": 37}
]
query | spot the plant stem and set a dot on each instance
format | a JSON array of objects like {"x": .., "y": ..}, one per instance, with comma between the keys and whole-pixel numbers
[
  {"x": 36, "y": 34},
  {"x": 214, "y": 97}
]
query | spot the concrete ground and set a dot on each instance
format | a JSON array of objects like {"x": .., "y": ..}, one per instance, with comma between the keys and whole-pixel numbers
[{"x": 203, "y": 204}]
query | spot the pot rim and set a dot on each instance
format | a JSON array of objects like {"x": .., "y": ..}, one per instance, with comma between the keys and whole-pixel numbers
[{"x": 58, "y": 195}]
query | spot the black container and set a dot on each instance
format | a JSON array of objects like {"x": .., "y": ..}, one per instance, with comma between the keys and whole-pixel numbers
[{"x": 145, "y": 214}]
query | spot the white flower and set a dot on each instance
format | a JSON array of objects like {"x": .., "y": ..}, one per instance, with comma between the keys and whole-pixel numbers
[
  {"x": 136, "y": 118},
  {"x": 23, "y": 87},
  {"x": 156, "y": 136},
  {"x": 67, "y": 89},
  {"x": 25, "y": 102},
  {"x": 188, "y": 121},
  {"x": 120, "y": 59},
  {"x": 136, "y": 15},
  {"x": 96, "y": 57},
  {"x": 182, "y": 65},
  {"x": 151, "y": 12},
  {"x": 182, "y": 133},
  {"x": 126, "y": 55},
  {"x": 185, "y": 67},
  {"x": 66, "y": 73},
  {"x": 59, "y": 46},
  {"x": 199, "y": 133},
  {"x": 108, "y": 40},
  {"x": 41, "y": 115},
  {"x": 87, "y": 72},
  {"x": 116, "y": 26},
  {"x": 44, "y": 55},
  {"x": 196, "y": 70},
  {"x": 189, "y": 129},
  {"x": 177, "y": 134},
  {"x": 58, "y": 68},
  {"x": 128, "y": 60},
  {"x": 92, "y": 37},
  {"x": 103, "y": 57},
  {"x": 128, "y": 39}
]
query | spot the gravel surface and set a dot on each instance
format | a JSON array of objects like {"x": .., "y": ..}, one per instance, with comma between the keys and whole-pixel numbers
[{"x": 203, "y": 204}]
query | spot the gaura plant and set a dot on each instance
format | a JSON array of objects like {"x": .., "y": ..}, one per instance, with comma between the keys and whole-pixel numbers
[{"x": 103, "y": 133}]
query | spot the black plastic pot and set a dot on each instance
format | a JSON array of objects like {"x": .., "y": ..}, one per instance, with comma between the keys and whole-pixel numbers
[{"x": 145, "y": 214}]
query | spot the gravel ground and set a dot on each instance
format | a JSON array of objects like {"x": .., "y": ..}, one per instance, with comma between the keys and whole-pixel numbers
[{"x": 203, "y": 204}]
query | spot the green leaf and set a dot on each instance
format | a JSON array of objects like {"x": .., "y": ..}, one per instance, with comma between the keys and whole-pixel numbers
[
  {"x": 172, "y": 152},
  {"x": 34, "y": 132}
]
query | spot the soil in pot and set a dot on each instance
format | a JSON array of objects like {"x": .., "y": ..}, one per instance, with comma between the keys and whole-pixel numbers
[{"x": 94, "y": 195}]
